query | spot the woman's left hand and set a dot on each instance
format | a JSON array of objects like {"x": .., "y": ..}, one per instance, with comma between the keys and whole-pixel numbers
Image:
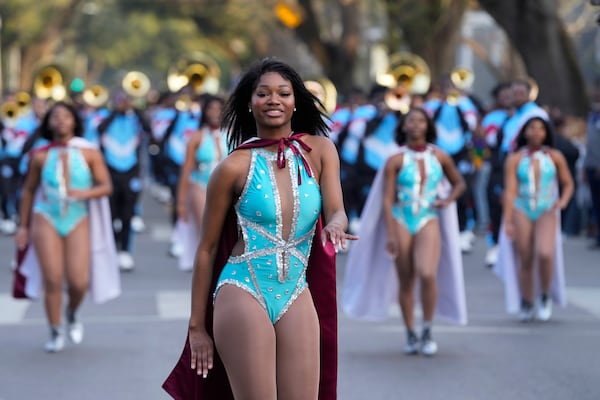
[
  {"x": 334, "y": 233},
  {"x": 441, "y": 203},
  {"x": 77, "y": 194},
  {"x": 560, "y": 205}
]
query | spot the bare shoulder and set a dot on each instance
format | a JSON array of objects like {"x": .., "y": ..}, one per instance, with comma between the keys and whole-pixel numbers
[
  {"x": 38, "y": 157},
  {"x": 322, "y": 150},
  {"x": 236, "y": 161},
  {"x": 233, "y": 169},
  {"x": 556, "y": 155},
  {"x": 91, "y": 154},
  {"x": 514, "y": 157},
  {"x": 196, "y": 138},
  {"x": 395, "y": 158},
  {"x": 321, "y": 144},
  {"x": 440, "y": 154},
  {"x": 394, "y": 161}
]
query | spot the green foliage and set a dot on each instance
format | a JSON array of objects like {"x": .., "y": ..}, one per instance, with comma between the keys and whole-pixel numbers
[{"x": 121, "y": 35}]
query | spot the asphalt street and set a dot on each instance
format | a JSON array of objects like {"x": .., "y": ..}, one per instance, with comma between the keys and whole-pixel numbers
[{"x": 132, "y": 343}]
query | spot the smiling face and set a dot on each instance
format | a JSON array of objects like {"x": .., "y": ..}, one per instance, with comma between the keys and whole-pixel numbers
[
  {"x": 62, "y": 123},
  {"x": 213, "y": 110},
  {"x": 273, "y": 102},
  {"x": 535, "y": 133},
  {"x": 415, "y": 126}
]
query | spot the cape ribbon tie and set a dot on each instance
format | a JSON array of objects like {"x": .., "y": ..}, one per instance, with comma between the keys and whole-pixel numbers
[{"x": 281, "y": 146}]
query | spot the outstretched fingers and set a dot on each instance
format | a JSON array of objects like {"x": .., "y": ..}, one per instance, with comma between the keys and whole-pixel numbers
[{"x": 337, "y": 237}]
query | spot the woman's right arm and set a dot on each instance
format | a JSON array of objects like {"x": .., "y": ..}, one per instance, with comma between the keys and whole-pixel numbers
[
  {"x": 30, "y": 185},
  {"x": 391, "y": 168},
  {"x": 222, "y": 189},
  {"x": 184, "y": 176},
  {"x": 510, "y": 192}
]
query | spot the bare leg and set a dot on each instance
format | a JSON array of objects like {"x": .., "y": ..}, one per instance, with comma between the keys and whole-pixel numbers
[
  {"x": 245, "y": 340},
  {"x": 406, "y": 275},
  {"x": 49, "y": 248},
  {"x": 298, "y": 360},
  {"x": 426, "y": 257},
  {"x": 545, "y": 234},
  {"x": 197, "y": 198},
  {"x": 523, "y": 243},
  {"x": 77, "y": 257}
]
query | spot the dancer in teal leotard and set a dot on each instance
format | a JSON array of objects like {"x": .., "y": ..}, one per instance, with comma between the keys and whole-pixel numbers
[
  {"x": 411, "y": 186},
  {"x": 282, "y": 179},
  {"x": 60, "y": 180},
  {"x": 204, "y": 150},
  {"x": 533, "y": 174}
]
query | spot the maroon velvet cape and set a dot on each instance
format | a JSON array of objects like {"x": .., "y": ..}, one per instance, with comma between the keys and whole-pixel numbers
[{"x": 185, "y": 384}]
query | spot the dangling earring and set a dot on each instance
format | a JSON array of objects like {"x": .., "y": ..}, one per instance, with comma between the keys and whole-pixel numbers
[
  {"x": 249, "y": 110},
  {"x": 294, "y": 109}
]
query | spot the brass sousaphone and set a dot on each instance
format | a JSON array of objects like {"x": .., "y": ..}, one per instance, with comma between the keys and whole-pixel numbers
[
  {"x": 95, "y": 96},
  {"x": 136, "y": 84},
  {"x": 197, "y": 70},
  {"x": 406, "y": 75},
  {"x": 462, "y": 78},
  {"x": 49, "y": 83},
  {"x": 324, "y": 90}
]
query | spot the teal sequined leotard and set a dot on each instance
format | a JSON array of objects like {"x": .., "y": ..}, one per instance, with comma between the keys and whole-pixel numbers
[
  {"x": 416, "y": 193},
  {"x": 61, "y": 211},
  {"x": 207, "y": 157},
  {"x": 271, "y": 268},
  {"x": 535, "y": 197}
]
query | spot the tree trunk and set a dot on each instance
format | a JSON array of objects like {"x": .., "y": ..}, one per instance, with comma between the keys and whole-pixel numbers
[
  {"x": 47, "y": 44},
  {"x": 537, "y": 32},
  {"x": 429, "y": 29},
  {"x": 337, "y": 59}
]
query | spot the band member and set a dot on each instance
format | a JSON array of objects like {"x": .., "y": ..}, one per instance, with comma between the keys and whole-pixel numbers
[
  {"x": 493, "y": 124},
  {"x": 182, "y": 125},
  {"x": 456, "y": 117},
  {"x": 120, "y": 137}
]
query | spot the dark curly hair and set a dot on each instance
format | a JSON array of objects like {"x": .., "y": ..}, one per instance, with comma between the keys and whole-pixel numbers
[
  {"x": 430, "y": 132},
  {"x": 240, "y": 124},
  {"x": 548, "y": 140},
  {"x": 46, "y": 132},
  {"x": 205, "y": 104}
]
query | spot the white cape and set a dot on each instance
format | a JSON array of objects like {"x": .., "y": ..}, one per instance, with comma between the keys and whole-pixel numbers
[
  {"x": 370, "y": 285},
  {"x": 506, "y": 268},
  {"x": 186, "y": 234},
  {"x": 105, "y": 279}
]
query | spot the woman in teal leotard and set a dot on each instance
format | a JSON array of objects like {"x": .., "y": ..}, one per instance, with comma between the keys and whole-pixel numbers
[
  {"x": 531, "y": 200},
  {"x": 411, "y": 204},
  {"x": 204, "y": 150},
  {"x": 265, "y": 324},
  {"x": 54, "y": 216}
]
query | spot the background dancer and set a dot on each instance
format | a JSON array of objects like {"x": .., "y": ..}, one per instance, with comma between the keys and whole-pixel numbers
[{"x": 57, "y": 220}]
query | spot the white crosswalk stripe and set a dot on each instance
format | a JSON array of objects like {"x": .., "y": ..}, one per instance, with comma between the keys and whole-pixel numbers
[
  {"x": 175, "y": 305},
  {"x": 585, "y": 297},
  {"x": 12, "y": 311}
]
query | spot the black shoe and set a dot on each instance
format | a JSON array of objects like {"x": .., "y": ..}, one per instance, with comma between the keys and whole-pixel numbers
[{"x": 412, "y": 343}]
